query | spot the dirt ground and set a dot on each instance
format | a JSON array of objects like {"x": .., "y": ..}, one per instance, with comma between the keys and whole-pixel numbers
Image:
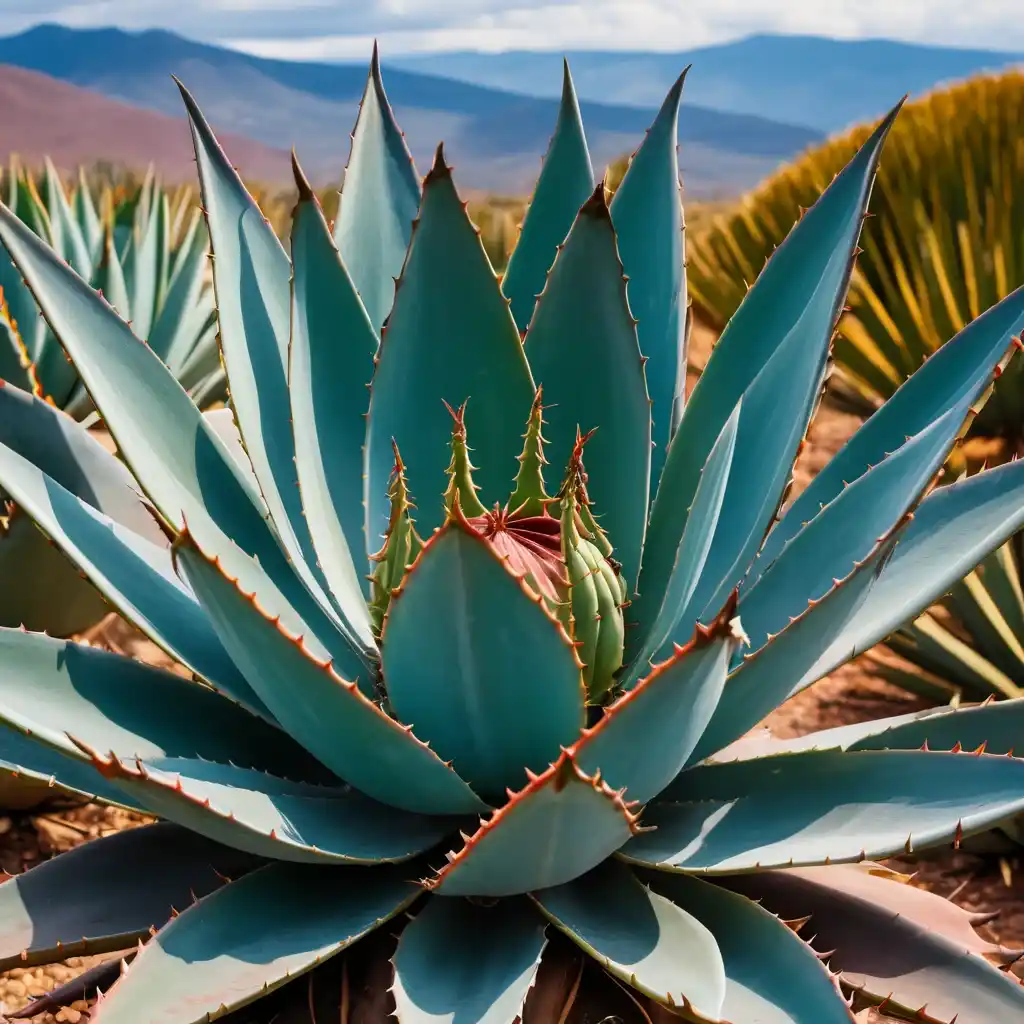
[{"x": 851, "y": 694}]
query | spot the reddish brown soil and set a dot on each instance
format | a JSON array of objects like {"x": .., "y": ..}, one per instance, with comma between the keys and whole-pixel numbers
[{"x": 43, "y": 116}]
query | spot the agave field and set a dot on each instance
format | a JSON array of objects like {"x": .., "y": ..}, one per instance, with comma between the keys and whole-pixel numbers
[{"x": 479, "y": 660}]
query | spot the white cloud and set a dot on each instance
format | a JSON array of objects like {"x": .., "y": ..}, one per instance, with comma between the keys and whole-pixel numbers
[{"x": 344, "y": 28}]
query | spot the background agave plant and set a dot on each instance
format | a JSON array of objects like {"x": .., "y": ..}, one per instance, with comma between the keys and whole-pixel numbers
[
  {"x": 146, "y": 250},
  {"x": 946, "y": 244},
  {"x": 478, "y": 760}
]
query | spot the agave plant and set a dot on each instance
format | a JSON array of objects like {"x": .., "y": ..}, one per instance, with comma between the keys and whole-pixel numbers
[
  {"x": 512, "y": 733},
  {"x": 937, "y": 256},
  {"x": 970, "y": 647},
  {"x": 146, "y": 252},
  {"x": 149, "y": 258}
]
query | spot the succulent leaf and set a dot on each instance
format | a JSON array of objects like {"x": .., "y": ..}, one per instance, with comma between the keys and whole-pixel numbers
[
  {"x": 846, "y": 530},
  {"x": 115, "y": 704},
  {"x": 771, "y": 975},
  {"x": 330, "y": 363},
  {"x": 487, "y": 964},
  {"x": 950, "y": 530},
  {"x": 379, "y": 200},
  {"x": 566, "y": 179},
  {"x": 250, "y": 937},
  {"x": 676, "y": 615},
  {"x": 898, "y": 947},
  {"x": 596, "y": 590},
  {"x": 271, "y": 817},
  {"x": 334, "y": 720},
  {"x": 250, "y": 274},
  {"x": 64, "y": 231},
  {"x": 400, "y": 549},
  {"x": 785, "y": 325},
  {"x": 146, "y": 264},
  {"x": 88, "y": 219},
  {"x": 648, "y": 215},
  {"x": 532, "y": 841},
  {"x": 32, "y": 772},
  {"x": 127, "y": 569},
  {"x": 138, "y": 879},
  {"x": 174, "y": 327},
  {"x": 644, "y": 738},
  {"x": 461, "y": 491},
  {"x": 530, "y": 497},
  {"x": 639, "y": 936},
  {"x": 109, "y": 278},
  {"x": 962, "y": 368},
  {"x": 583, "y": 320},
  {"x": 493, "y": 685},
  {"x": 163, "y": 438},
  {"x": 738, "y": 816},
  {"x": 447, "y": 301}
]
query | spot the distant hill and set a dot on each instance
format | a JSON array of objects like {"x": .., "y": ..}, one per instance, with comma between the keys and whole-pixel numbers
[
  {"x": 495, "y": 138},
  {"x": 825, "y": 83},
  {"x": 41, "y": 116}
]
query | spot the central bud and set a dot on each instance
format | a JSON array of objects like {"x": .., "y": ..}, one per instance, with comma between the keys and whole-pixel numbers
[{"x": 553, "y": 545}]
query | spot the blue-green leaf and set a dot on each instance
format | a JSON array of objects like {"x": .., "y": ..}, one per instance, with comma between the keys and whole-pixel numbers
[
  {"x": 136, "y": 880},
  {"x": 994, "y": 727},
  {"x": 782, "y": 329},
  {"x": 533, "y": 841},
  {"x": 771, "y": 975},
  {"x": 147, "y": 263},
  {"x": 846, "y": 531},
  {"x": 330, "y": 366},
  {"x": 65, "y": 233},
  {"x": 51, "y": 595},
  {"x": 566, "y": 180},
  {"x": 648, "y": 214},
  {"x": 743, "y": 815},
  {"x": 88, "y": 219},
  {"x": 109, "y": 278},
  {"x": 175, "y": 325},
  {"x": 998, "y": 727},
  {"x": 50, "y": 688},
  {"x": 677, "y": 618},
  {"x": 270, "y": 816},
  {"x": 251, "y": 276},
  {"x": 646, "y": 736},
  {"x": 251, "y": 937},
  {"x": 163, "y": 438},
  {"x": 960, "y": 369},
  {"x": 952, "y": 531},
  {"x": 891, "y": 946},
  {"x": 379, "y": 200},
  {"x": 583, "y": 352},
  {"x": 75, "y": 459},
  {"x": 14, "y": 365},
  {"x": 475, "y": 661},
  {"x": 641, "y": 937},
  {"x": 128, "y": 569},
  {"x": 448, "y": 301},
  {"x": 462, "y": 961},
  {"x": 29, "y": 767},
  {"x": 334, "y": 720}
]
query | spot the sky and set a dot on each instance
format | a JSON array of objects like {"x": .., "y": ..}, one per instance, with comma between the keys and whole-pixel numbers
[{"x": 343, "y": 29}]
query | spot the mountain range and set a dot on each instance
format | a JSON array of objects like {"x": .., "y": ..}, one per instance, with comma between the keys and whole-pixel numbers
[
  {"x": 494, "y": 137},
  {"x": 826, "y": 84},
  {"x": 748, "y": 105}
]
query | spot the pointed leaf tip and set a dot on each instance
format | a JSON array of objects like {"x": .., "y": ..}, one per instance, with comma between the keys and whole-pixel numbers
[
  {"x": 597, "y": 204},
  {"x": 439, "y": 168},
  {"x": 306, "y": 193}
]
